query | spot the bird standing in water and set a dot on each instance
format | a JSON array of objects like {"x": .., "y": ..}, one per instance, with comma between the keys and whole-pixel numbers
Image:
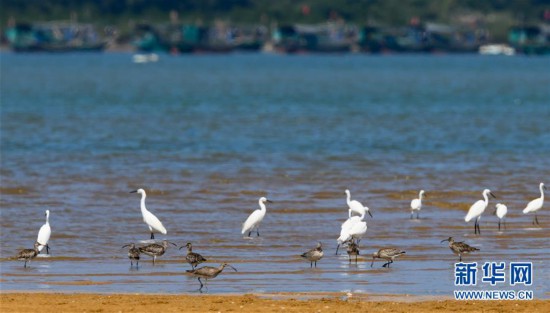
[
  {"x": 459, "y": 247},
  {"x": 416, "y": 205},
  {"x": 353, "y": 249},
  {"x": 314, "y": 255},
  {"x": 208, "y": 272},
  {"x": 536, "y": 204},
  {"x": 155, "y": 249},
  {"x": 133, "y": 254},
  {"x": 254, "y": 220},
  {"x": 28, "y": 254},
  {"x": 151, "y": 220},
  {"x": 388, "y": 254},
  {"x": 192, "y": 258}
]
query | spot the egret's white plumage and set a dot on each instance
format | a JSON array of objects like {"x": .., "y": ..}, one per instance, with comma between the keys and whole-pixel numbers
[
  {"x": 44, "y": 234},
  {"x": 416, "y": 204},
  {"x": 536, "y": 204},
  {"x": 254, "y": 220},
  {"x": 356, "y": 206},
  {"x": 353, "y": 228},
  {"x": 477, "y": 209},
  {"x": 500, "y": 212},
  {"x": 151, "y": 220}
]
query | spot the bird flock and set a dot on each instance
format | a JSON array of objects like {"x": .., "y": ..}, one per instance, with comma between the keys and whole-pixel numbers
[{"x": 353, "y": 229}]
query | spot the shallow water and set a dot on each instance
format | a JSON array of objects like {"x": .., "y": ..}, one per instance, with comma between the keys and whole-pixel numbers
[{"x": 206, "y": 136}]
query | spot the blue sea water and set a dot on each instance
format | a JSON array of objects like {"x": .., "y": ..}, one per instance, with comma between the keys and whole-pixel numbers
[{"x": 207, "y": 135}]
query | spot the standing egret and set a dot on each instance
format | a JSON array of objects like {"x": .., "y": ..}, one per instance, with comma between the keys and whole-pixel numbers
[
  {"x": 356, "y": 206},
  {"x": 459, "y": 247},
  {"x": 353, "y": 228},
  {"x": 148, "y": 217},
  {"x": 416, "y": 205},
  {"x": 28, "y": 254},
  {"x": 536, "y": 204},
  {"x": 313, "y": 255},
  {"x": 254, "y": 220},
  {"x": 44, "y": 234},
  {"x": 500, "y": 212},
  {"x": 477, "y": 209}
]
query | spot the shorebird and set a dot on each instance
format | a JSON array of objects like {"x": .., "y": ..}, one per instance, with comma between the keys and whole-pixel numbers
[
  {"x": 148, "y": 217},
  {"x": 477, "y": 209},
  {"x": 313, "y": 255},
  {"x": 208, "y": 272},
  {"x": 500, "y": 212},
  {"x": 416, "y": 205},
  {"x": 388, "y": 254},
  {"x": 353, "y": 228},
  {"x": 356, "y": 206},
  {"x": 254, "y": 220},
  {"x": 536, "y": 204},
  {"x": 133, "y": 254},
  {"x": 28, "y": 254},
  {"x": 353, "y": 249},
  {"x": 192, "y": 258},
  {"x": 155, "y": 249},
  {"x": 44, "y": 234},
  {"x": 459, "y": 247}
]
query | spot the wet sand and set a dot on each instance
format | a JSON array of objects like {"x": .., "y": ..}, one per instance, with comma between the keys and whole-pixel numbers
[{"x": 56, "y": 302}]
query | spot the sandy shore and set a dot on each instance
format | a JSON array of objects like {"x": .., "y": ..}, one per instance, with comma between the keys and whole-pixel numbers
[{"x": 55, "y": 302}]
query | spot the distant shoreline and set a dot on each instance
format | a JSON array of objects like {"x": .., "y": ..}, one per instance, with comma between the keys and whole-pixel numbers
[{"x": 69, "y": 302}]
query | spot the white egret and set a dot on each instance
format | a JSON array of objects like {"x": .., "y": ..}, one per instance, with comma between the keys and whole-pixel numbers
[
  {"x": 500, "y": 212},
  {"x": 44, "y": 234},
  {"x": 356, "y": 206},
  {"x": 416, "y": 205},
  {"x": 353, "y": 228},
  {"x": 477, "y": 209},
  {"x": 148, "y": 217},
  {"x": 536, "y": 204},
  {"x": 254, "y": 220}
]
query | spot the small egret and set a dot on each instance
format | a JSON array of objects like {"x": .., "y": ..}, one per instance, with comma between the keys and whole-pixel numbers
[
  {"x": 155, "y": 249},
  {"x": 477, "y": 209},
  {"x": 353, "y": 228},
  {"x": 313, "y": 255},
  {"x": 133, "y": 254},
  {"x": 388, "y": 254},
  {"x": 416, "y": 205},
  {"x": 192, "y": 258},
  {"x": 44, "y": 234},
  {"x": 148, "y": 217},
  {"x": 536, "y": 204},
  {"x": 208, "y": 272},
  {"x": 28, "y": 254},
  {"x": 254, "y": 220},
  {"x": 356, "y": 206},
  {"x": 353, "y": 249},
  {"x": 459, "y": 247},
  {"x": 500, "y": 212}
]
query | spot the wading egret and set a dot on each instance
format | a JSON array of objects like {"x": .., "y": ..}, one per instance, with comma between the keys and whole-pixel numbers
[
  {"x": 44, "y": 234},
  {"x": 536, "y": 204},
  {"x": 353, "y": 228},
  {"x": 356, "y": 206},
  {"x": 254, "y": 220},
  {"x": 313, "y": 255},
  {"x": 148, "y": 217},
  {"x": 477, "y": 209},
  {"x": 500, "y": 212},
  {"x": 416, "y": 205},
  {"x": 459, "y": 247}
]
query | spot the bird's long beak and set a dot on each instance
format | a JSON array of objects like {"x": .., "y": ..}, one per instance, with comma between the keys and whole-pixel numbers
[
  {"x": 133, "y": 191},
  {"x": 370, "y": 213},
  {"x": 442, "y": 241},
  {"x": 124, "y": 246},
  {"x": 492, "y": 195},
  {"x": 269, "y": 201},
  {"x": 232, "y": 268},
  {"x": 544, "y": 186},
  {"x": 181, "y": 247},
  {"x": 175, "y": 245}
]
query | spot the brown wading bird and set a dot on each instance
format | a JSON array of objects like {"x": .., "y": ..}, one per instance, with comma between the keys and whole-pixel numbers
[
  {"x": 28, "y": 254},
  {"x": 353, "y": 249},
  {"x": 314, "y": 255},
  {"x": 155, "y": 249},
  {"x": 192, "y": 258},
  {"x": 459, "y": 248},
  {"x": 133, "y": 254},
  {"x": 388, "y": 254},
  {"x": 208, "y": 272}
]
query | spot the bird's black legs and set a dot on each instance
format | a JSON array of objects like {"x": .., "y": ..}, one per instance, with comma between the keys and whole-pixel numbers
[
  {"x": 250, "y": 232},
  {"x": 315, "y": 264},
  {"x": 356, "y": 259},
  {"x": 412, "y": 215},
  {"x": 498, "y": 225},
  {"x": 152, "y": 235},
  {"x": 477, "y": 230},
  {"x": 258, "y": 232},
  {"x": 200, "y": 282},
  {"x": 310, "y": 264},
  {"x": 25, "y": 266},
  {"x": 460, "y": 258},
  {"x": 536, "y": 220},
  {"x": 418, "y": 215},
  {"x": 337, "y": 247}
]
